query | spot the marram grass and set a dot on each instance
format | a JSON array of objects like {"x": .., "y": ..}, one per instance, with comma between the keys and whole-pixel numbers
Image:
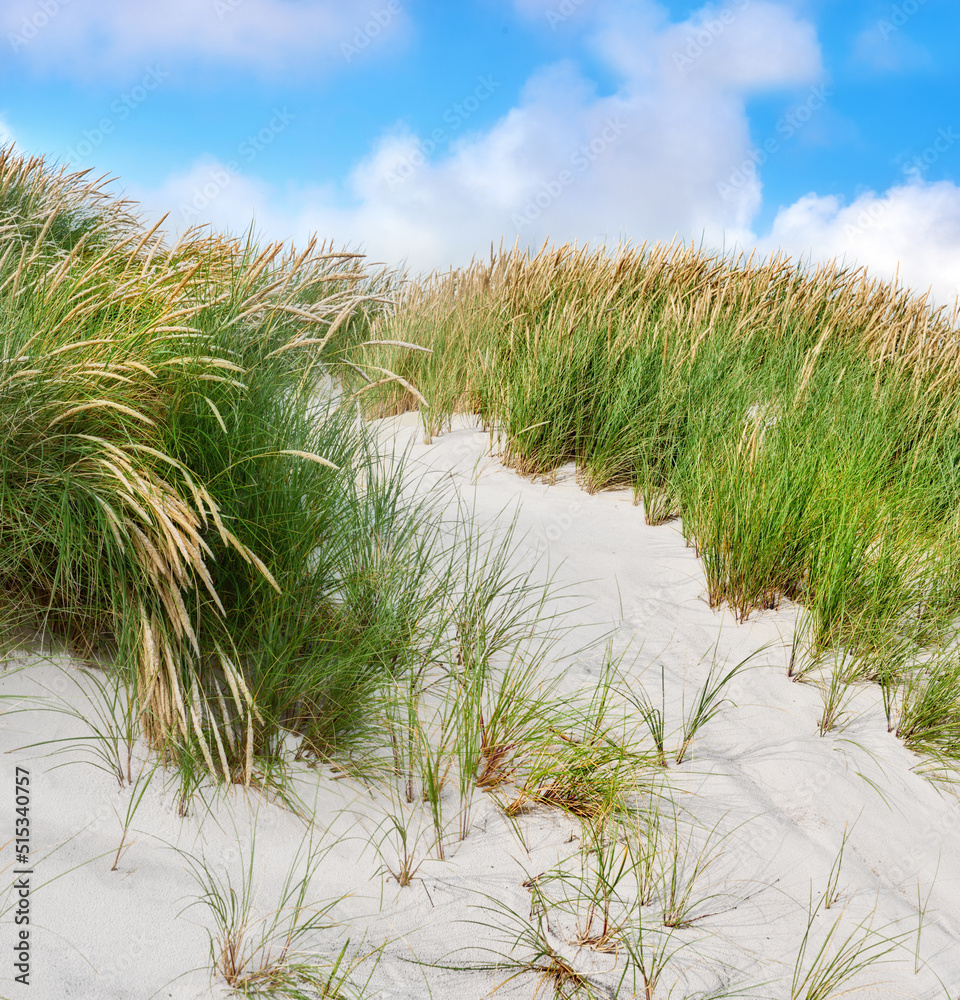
[
  {"x": 185, "y": 489},
  {"x": 179, "y": 489},
  {"x": 804, "y": 422},
  {"x": 182, "y": 486}
]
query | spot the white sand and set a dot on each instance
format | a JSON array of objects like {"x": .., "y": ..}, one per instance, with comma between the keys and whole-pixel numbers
[{"x": 759, "y": 771}]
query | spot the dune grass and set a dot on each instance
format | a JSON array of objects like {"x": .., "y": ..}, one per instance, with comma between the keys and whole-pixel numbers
[
  {"x": 183, "y": 490},
  {"x": 186, "y": 492},
  {"x": 803, "y": 422},
  {"x": 277, "y": 953},
  {"x": 184, "y": 485}
]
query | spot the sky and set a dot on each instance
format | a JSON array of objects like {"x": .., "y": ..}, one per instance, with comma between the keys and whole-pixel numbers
[{"x": 423, "y": 131}]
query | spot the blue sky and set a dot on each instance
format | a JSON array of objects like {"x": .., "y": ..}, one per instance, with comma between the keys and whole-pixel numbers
[{"x": 422, "y": 130}]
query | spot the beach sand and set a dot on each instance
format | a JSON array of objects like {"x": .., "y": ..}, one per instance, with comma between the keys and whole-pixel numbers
[{"x": 760, "y": 788}]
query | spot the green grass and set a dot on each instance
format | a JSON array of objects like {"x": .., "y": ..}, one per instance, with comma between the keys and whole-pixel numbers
[
  {"x": 803, "y": 422},
  {"x": 825, "y": 971},
  {"x": 183, "y": 494},
  {"x": 277, "y": 953},
  {"x": 174, "y": 495}
]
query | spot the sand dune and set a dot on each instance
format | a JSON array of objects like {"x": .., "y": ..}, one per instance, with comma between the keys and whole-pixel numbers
[{"x": 761, "y": 794}]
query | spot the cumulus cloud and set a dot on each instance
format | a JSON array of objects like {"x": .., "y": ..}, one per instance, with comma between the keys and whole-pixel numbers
[
  {"x": 566, "y": 162},
  {"x": 912, "y": 230},
  {"x": 210, "y": 192},
  {"x": 106, "y": 36},
  {"x": 743, "y": 46},
  {"x": 667, "y": 153}
]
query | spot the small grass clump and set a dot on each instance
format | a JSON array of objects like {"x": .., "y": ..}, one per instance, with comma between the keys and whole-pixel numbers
[{"x": 275, "y": 953}]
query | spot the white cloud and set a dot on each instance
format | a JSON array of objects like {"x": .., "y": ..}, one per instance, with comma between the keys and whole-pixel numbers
[
  {"x": 742, "y": 46},
  {"x": 108, "y": 36},
  {"x": 209, "y": 192},
  {"x": 651, "y": 160},
  {"x": 913, "y": 230},
  {"x": 646, "y": 162},
  {"x": 565, "y": 163}
]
